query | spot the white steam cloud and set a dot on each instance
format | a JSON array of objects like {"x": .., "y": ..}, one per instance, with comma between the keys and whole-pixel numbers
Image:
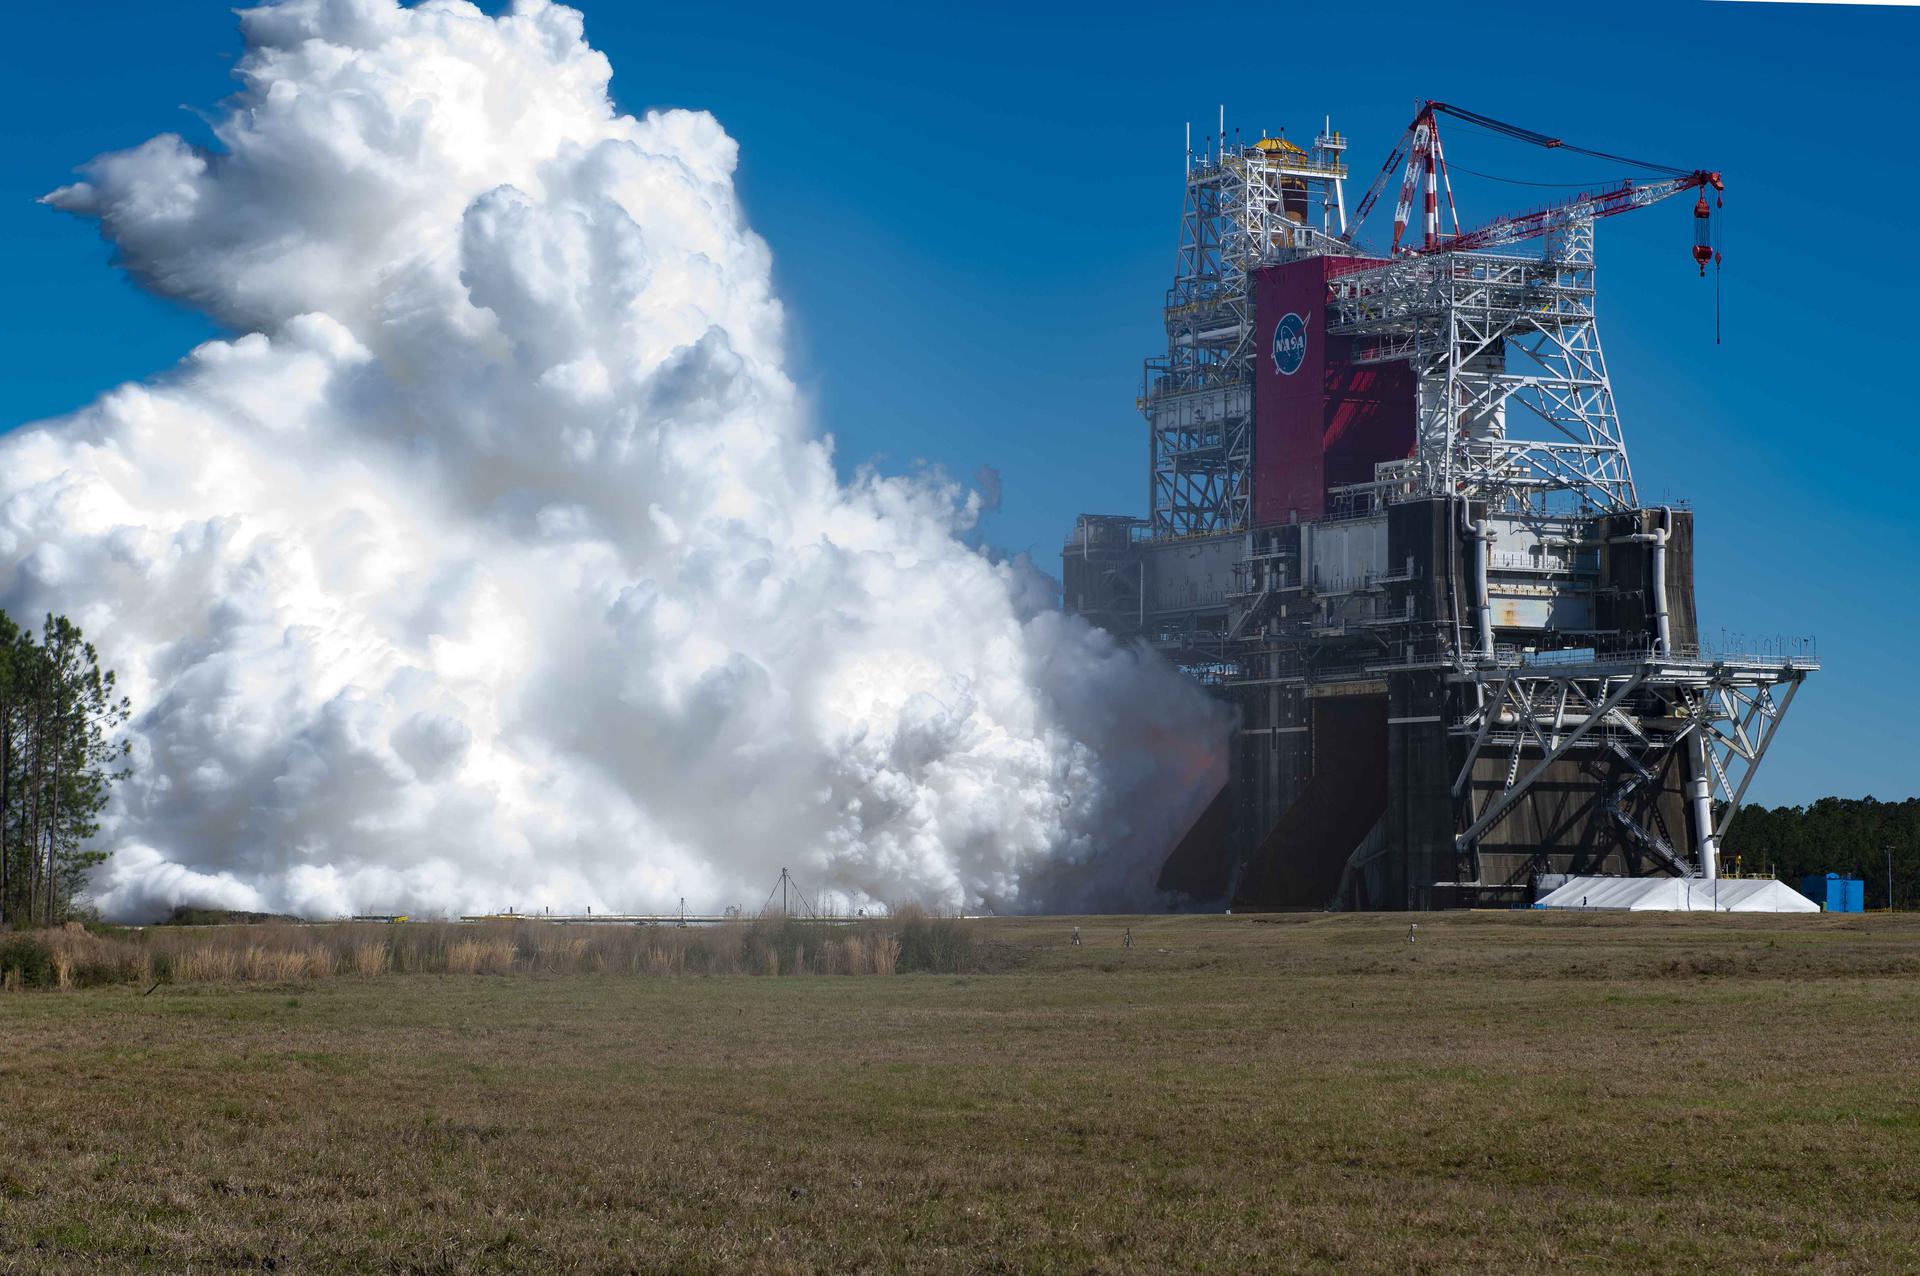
[{"x": 496, "y": 563}]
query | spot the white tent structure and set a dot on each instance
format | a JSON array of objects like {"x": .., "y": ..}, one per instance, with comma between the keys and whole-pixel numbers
[{"x": 1678, "y": 895}]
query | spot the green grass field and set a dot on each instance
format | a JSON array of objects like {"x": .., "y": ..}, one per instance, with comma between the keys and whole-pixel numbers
[{"x": 1515, "y": 1092}]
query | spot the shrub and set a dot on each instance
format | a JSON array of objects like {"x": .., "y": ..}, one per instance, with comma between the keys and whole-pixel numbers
[
  {"x": 25, "y": 963},
  {"x": 931, "y": 944}
]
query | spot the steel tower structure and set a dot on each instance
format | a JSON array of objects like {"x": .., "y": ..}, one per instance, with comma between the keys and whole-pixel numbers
[
  {"x": 1243, "y": 203},
  {"x": 1392, "y": 519},
  {"x": 1513, "y": 399}
]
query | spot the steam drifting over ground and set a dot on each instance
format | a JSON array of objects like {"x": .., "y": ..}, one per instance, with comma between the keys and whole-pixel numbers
[{"x": 493, "y": 561}]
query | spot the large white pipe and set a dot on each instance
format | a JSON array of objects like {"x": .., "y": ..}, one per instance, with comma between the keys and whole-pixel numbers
[
  {"x": 1662, "y": 631},
  {"x": 1482, "y": 535},
  {"x": 1706, "y": 850},
  {"x": 1550, "y": 722}
]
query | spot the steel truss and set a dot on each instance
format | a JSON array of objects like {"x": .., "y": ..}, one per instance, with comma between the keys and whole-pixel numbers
[
  {"x": 1244, "y": 207},
  {"x": 1715, "y": 714},
  {"x": 1486, "y": 334}
]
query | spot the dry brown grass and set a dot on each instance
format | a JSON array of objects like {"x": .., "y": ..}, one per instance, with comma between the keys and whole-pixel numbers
[
  {"x": 876, "y": 954},
  {"x": 368, "y": 957},
  {"x": 79, "y": 959},
  {"x": 480, "y": 957},
  {"x": 206, "y": 963},
  {"x": 286, "y": 952},
  {"x": 1513, "y": 1094}
]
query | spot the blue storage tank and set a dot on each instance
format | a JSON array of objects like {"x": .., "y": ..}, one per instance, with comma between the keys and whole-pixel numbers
[{"x": 1834, "y": 893}]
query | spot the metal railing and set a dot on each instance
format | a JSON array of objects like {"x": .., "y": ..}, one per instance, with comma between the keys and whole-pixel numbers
[{"x": 1781, "y": 651}]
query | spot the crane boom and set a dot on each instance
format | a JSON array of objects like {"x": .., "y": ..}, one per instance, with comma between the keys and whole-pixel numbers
[
  {"x": 1419, "y": 147},
  {"x": 1624, "y": 198}
]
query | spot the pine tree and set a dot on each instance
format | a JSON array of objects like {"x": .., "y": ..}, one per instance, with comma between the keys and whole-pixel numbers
[{"x": 60, "y": 753}]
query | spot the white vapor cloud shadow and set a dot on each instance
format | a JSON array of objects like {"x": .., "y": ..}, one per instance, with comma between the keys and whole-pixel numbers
[{"x": 497, "y": 562}]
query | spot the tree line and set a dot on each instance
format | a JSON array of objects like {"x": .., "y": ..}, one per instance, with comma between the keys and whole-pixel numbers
[
  {"x": 60, "y": 753},
  {"x": 1833, "y": 835}
]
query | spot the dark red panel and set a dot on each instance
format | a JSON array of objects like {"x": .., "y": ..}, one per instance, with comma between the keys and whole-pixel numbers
[
  {"x": 1369, "y": 417},
  {"x": 1288, "y": 392},
  {"x": 1319, "y": 421}
]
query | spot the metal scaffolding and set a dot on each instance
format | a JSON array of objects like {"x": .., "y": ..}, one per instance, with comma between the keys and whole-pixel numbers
[
  {"x": 1245, "y": 206},
  {"x": 1486, "y": 334},
  {"x": 1490, "y": 638},
  {"x": 1713, "y": 713}
]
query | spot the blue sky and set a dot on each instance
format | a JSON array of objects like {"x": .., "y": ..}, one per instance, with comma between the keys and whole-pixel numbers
[{"x": 973, "y": 216}]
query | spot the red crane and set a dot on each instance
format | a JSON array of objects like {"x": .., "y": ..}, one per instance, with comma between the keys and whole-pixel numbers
[{"x": 1426, "y": 165}]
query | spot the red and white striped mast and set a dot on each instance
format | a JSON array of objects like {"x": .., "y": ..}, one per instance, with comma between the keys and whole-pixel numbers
[{"x": 1426, "y": 171}]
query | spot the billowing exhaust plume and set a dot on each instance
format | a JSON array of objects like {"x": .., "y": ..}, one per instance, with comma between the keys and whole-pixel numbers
[{"x": 496, "y": 563}]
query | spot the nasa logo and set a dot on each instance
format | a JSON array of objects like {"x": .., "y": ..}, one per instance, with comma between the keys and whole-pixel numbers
[{"x": 1289, "y": 344}]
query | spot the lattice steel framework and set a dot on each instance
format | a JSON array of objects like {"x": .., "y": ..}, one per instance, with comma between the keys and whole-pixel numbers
[
  {"x": 1717, "y": 713},
  {"x": 1245, "y": 206},
  {"x": 1487, "y": 334}
]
